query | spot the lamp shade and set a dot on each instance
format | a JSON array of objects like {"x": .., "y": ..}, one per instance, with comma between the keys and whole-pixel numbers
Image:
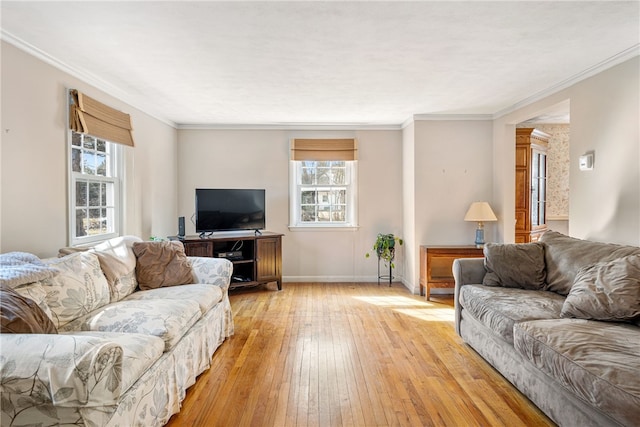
[{"x": 480, "y": 212}]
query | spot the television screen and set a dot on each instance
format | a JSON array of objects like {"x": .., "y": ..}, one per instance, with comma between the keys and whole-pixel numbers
[{"x": 220, "y": 209}]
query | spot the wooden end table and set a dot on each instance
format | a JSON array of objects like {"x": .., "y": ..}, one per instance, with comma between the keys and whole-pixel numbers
[{"x": 436, "y": 264}]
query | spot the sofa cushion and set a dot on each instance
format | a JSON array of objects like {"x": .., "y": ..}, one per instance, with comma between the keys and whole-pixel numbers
[
  {"x": 139, "y": 352},
  {"x": 565, "y": 256},
  {"x": 21, "y": 315},
  {"x": 205, "y": 295},
  {"x": 163, "y": 318},
  {"x": 161, "y": 264},
  {"x": 500, "y": 309},
  {"x": 118, "y": 263},
  {"x": 606, "y": 291},
  {"x": 80, "y": 288},
  {"x": 597, "y": 361},
  {"x": 514, "y": 265}
]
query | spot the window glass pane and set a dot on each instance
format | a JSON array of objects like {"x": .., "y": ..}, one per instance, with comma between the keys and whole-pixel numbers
[
  {"x": 101, "y": 145},
  {"x": 76, "y": 139},
  {"x": 94, "y": 194},
  {"x": 308, "y": 197},
  {"x": 324, "y": 213},
  {"x": 323, "y": 164},
  {"x": 308, "y": 176},
  {"x": 101, "y": 163},
  {"x": 338, "y": 214},
  {"x": 88, "y": 142},
  {"x": 338, "y": 176},
  {"x": 340, "y": 197},
  {"x": 324, "y": 197},
  {"x": 324, "y": 176},
  {"x": 103, "y": 194},
  {"x": 81, "y": 193},
  {"x": 81, "y": 222},
  {"x": 308, "y": 214},
  {"x": 76, "y": 163},
  {"x": 103, "y": 220},
  {"x": 88, "y": 163}
]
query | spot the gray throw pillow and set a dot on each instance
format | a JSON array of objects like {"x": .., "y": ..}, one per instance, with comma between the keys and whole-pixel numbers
[
  {"x": 514, "y": 265},
  {"x": 606, "y": 291},
  {"x": 565, "y": 256}
]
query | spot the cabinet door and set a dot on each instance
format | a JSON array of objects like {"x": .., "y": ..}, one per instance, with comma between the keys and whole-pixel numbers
[
  {"x": 204, "y": 249},
  {"x": 268, "y": 259}
]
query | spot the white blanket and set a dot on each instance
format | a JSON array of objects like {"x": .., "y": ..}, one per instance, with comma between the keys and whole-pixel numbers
[{"x": 18, "y": 268}]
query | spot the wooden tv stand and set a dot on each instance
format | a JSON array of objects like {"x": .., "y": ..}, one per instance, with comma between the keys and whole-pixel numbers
[{"x": 256, "y": 258}]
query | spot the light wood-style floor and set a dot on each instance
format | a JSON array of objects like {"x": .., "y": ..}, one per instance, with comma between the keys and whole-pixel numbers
[{"x": 349, "y": 354}]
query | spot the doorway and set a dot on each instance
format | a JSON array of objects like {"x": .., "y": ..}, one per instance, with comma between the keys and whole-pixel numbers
[{"x": 554, "y": 122}]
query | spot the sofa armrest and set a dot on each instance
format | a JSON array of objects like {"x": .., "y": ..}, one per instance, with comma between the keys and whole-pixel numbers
[
  {"x": 212, "y": 271},
  {"x": 58, "y": 370},
  {"x": 466, "y": 271}
]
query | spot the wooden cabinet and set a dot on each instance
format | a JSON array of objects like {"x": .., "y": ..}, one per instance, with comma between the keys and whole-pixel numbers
[
  {"x": 436, "y": 264},
  {"x": 257, "y": 259},
  {"x": 531, "y": 184}
]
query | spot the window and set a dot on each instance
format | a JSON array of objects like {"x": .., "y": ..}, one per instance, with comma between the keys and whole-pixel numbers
[
  {"x": 94, "y": 189},
  {"x": 323, "y": 193}
]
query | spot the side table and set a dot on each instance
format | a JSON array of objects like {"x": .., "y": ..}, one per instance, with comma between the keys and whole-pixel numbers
[{"x": 436, "y": 264}]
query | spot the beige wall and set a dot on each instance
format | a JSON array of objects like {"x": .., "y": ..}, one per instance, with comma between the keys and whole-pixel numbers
[
  {"x": 453, "y": 168},
  {"x": 605, "y": 113},
  {"x": 260, "y": 159},
  {"x": 34, "y": 160},
  {"x": 412, "y": 246},
  {"x": 416, "y": 182}
]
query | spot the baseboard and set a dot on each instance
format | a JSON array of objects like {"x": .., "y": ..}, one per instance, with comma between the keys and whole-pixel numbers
[{"x": 357, "y": 279}]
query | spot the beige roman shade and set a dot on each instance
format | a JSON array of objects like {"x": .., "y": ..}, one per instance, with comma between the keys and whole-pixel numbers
[
  {"x": 92, "y": 117},
  {"x": 324, "y": 149}
]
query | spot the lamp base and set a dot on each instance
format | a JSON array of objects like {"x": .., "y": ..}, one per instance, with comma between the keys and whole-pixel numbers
[{"x": 479, "y": 237}]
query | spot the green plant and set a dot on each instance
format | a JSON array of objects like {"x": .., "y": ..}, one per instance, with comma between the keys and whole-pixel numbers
[{"x": 385, "y": 248}]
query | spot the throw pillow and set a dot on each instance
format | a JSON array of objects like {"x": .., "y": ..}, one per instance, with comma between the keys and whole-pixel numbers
[
  {"x": 161, "y": 264},
  {"x": 565, "y": 256},
  {"x": 519, "y": 265},
  {"x": 80, "y": 288},
  {"x": 606, "y": 291},
  {"x": 21, "y": 315}
]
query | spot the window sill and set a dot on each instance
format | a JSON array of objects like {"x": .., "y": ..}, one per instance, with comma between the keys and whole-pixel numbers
[{"x": 323, "y": 228}]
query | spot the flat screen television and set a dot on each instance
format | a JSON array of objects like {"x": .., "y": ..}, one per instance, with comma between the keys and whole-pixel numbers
[{"x": 226, "y": 209}]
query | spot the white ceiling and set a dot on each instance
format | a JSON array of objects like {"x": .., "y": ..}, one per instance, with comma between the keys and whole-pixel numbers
[{"x": 297, "y": 63}]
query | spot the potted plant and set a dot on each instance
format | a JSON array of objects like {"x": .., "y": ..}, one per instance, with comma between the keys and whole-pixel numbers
[{"x": 385, "y": 248}]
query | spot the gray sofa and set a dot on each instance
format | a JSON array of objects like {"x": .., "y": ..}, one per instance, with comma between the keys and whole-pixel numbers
[{"x": 559, "y": 319}]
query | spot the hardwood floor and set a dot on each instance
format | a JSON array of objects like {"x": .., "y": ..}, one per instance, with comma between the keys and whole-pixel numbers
[{"x": 349, "y": 354}]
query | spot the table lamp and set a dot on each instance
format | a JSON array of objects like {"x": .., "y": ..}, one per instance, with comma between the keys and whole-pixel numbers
[{"x": 480, "y": 212}]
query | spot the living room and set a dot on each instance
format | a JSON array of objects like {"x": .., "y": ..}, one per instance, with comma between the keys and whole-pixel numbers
[{"x": 418, "y": 174}]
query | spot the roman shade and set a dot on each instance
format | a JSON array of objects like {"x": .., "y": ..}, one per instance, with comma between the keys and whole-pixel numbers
[
  {"x": 324, "y": 149},
  {"x": 92, "y": 117}
]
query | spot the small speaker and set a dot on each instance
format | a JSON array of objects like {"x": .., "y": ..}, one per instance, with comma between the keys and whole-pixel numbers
[{"x": 180, "y": 226}]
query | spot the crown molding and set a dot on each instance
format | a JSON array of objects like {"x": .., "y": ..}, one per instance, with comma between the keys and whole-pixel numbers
[
  {"x": 444, "y": 117},
  {"x": 288, "y": 126},
  {"x": 619, "y": 58},
  {"x": 82, "y": 75}
]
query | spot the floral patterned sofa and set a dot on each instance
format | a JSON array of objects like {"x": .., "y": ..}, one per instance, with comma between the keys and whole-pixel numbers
[{"x": 122, "y": 356}]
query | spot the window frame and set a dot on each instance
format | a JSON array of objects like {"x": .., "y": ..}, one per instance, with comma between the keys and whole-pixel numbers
[
  {"x": 116, "y": 166},
  {"x": 295, "y": 202}
]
